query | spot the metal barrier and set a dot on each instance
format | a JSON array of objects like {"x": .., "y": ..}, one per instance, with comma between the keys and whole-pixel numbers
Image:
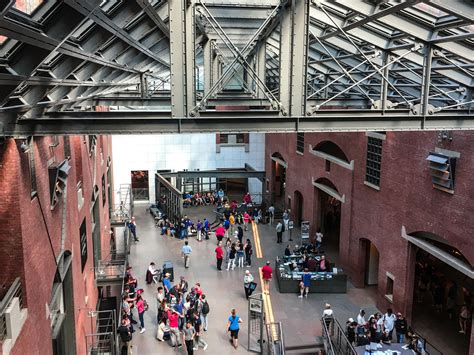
[
  {"x": 335, "y": 339},
  {"x": 104, "y": 340},
  {"x": 276, "y": 342},
  {"x": 14, "y": 291}
]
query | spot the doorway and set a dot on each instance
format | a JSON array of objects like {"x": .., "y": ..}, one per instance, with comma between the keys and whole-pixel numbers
[
  {"x": 140, "y": 187},
  {"x": 298, "y": 208},
  {"x": 328, "y": 217},
  {"x": 439, "y": 293},
  {"x": 370, "y": 258},
  {"x": 278, "y": 181}
]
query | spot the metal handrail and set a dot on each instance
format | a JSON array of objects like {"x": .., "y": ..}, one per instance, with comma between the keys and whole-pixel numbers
[
  {"x": 15, "y": 290},
  {"x": 429, "y": 348},
  {"x": 327, "y": 330},
  {"x": 336, "y": 337}
]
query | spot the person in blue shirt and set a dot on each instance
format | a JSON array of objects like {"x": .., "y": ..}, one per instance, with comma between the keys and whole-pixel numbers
[
  {"x": 132, "y": 225},
  {"x": 167, "y": 283},
  {"x": 226, "y": 226},
  {"x": 305, "y": 283},
  {"x": 186, "y": 251},
  {"x": 206, "y": 228},
  {"x": 233, "y": 327}
]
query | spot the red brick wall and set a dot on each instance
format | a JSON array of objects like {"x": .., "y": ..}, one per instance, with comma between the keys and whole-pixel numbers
[
  {"x": 406, "y": 197},
  {"x": 27, "y": 230}
]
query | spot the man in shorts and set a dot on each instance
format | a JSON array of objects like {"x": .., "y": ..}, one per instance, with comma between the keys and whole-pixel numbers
[{"x": 305, "y": 283}]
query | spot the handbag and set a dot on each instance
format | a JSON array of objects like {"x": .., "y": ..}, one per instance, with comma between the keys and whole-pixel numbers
[{"x": 252, "y": 286}]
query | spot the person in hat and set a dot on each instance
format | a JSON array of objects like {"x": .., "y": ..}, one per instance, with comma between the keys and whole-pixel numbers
[
  {"x": 167, "y": 283},
  {"x": 267, "y": 276},
  {"x": 248, "y": 279}
]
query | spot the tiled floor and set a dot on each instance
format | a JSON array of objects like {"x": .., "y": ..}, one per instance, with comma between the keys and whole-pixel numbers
[{"x": 300, "y": 317}]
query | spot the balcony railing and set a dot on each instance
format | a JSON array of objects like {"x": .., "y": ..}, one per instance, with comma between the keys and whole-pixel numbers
[{"x": 13, "y": 292}]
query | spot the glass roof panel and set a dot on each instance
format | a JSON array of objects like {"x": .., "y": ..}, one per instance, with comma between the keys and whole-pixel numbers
[
  {"x": 27, "y": 6},
  {"x": 430, "y": 10}
]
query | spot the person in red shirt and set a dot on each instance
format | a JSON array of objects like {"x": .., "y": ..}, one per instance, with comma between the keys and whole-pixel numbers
[
  {"x": 219, "y": 256},
  {"x": 267, "y": 276},
  {"x": 246, "y": 220},
  {"x": 173, "y": 316},
  {"x": 220, "y": 232}
]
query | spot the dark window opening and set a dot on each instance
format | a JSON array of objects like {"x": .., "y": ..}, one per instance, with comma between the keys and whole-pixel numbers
[
  {"x": 31, "y": 156},
  {"x": 140, "y": 188},
  {"x": 442, "y": 170},
  {"x": 328, "y": 166},
  {"x": 389, "y": 289},
  {"x": 232, "y": 138},
  {"x": 374, "y": 161},
  {"x": 300, "y": 142},
  {"x": 83, "y": 244},
  {"x": 67, "y": 147}
]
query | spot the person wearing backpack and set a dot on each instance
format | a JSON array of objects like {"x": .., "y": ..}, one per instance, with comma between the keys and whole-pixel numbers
[{"x": 204, "y": 312}]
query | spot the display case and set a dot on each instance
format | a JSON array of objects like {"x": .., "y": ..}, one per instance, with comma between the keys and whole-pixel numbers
[{"x": 321, "y": 282}]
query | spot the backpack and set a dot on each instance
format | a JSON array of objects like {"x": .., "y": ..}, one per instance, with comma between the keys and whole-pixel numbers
[
  {"x": 145, "y": 304},
  {"x": 205, "y": 308}
]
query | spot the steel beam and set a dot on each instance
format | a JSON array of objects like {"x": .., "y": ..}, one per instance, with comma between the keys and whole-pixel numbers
[
  {"x": 234, "y": 173},
  {"x": 146, "y": 122},
  {"x": 154, "y": 16}
]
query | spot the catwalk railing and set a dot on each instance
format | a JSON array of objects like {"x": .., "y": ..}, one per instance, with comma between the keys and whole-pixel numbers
[
  {"x": 13, "y": 291},
  {"x": 104, "y": 340},
  {"x": 335, "y": 339}
]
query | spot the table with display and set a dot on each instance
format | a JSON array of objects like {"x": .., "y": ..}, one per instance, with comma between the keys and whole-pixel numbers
[
  {"x": 321, "y": 282},
  {"x": 383, "y": 349}
]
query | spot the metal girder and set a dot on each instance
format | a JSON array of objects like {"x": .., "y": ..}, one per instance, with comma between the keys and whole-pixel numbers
[
  {"x": 26, "y": 35},
  {"x": 154, "y": 16},
  {"x": 227, "y": 173},
  {"x": 459, "y": 8},
  {"x": 407, "y": 26},
  {"x": 145, "y": 122},
  {"x": 96, "y": 14},
  {"x": 182, "y": 47}
]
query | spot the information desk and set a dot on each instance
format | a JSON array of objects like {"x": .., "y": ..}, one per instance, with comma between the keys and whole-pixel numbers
[{"x": 321, "y": 282}]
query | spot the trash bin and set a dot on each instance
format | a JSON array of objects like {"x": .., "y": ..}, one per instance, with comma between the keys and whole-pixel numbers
[{"x": 168, "y": 268}]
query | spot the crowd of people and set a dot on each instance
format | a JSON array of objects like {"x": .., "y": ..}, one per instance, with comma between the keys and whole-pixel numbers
[{"x": 381, "y": 328}]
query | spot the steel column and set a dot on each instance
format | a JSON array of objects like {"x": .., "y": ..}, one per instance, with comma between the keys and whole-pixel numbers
[
  {"x": 425, "y": 90},
  {"x": 286, "y": 22},
  {"x": 207, "y": 64},
  {"x": 181, "y": 13},
  {"x": 261, "y": 62}
]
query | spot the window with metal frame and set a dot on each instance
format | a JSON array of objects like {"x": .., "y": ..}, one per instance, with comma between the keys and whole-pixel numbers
[
  {"x": 374, "y": 161},
  {"x": 300, "y": 142}
]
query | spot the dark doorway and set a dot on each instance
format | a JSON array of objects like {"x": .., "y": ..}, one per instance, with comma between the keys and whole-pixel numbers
[
  {"x": 298, "y": 208},
  {"x": 140, "y": 187},
  {"x": 278, "y": 180},
  {"x": 440, "y": 291},
  {"x": 370, "y": 258},
  {"x": 328, "y": 218}
]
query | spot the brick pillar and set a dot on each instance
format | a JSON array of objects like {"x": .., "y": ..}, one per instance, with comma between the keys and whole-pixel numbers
[{"x": 10, "y": 222}]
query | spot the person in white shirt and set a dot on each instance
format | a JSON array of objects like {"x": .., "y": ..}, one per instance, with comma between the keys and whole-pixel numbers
[
  {"x": 271, "y": 213},
  {"x": 319, "y": 239},
  {"x": 361, "y": 322},
  {"x": 328, "y": 314},
  {"x": 154, "y": 272},
  {"x": 389, "y": 322}
]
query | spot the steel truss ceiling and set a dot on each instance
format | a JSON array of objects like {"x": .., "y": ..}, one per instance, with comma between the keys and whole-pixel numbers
[{"x": 151, "y": 66}]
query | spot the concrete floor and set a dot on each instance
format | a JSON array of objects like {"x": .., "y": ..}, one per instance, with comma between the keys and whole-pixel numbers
[{"x": 224, "y": 290}]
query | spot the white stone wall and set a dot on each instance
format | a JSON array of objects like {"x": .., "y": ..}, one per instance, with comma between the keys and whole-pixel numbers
[{"x": 182, "y": 151}]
